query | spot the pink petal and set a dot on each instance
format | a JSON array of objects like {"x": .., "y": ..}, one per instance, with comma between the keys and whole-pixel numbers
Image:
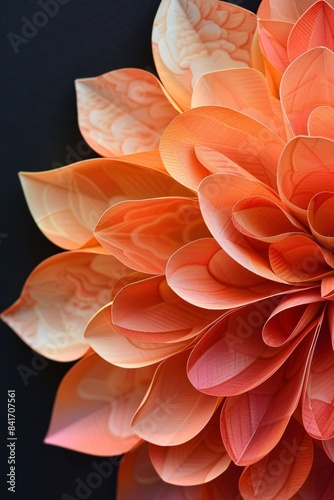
[
  {"x": 123, "y": 111},
  {"x": 121, "y": 351},
  {"x": 199, "y": 460},
  {"x": 203, "y": 274},
  {"x": 173, "y": 411},
  {"x": 320, "y": 122},
  {"x": 94, "y": 407},
  {"x": 131, "y": 231},
  {"x": 150, "y": 311}
]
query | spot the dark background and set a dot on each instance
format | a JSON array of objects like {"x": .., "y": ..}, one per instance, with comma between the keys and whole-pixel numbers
[{"x": 39, "y": 128}]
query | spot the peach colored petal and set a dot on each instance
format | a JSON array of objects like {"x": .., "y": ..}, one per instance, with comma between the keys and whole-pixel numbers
[
  {"x": 329, "y": 448},
  {"x": 123, "y": 111},
  {"x": 232, "y": 358},
  {"x": 239, "y": 137},
  {"x": 190, "y": 38},
  {"x": 59, "y": 298},
  {"x": 199, "y": 460},
  {"x": 298, "y": 260},
  {"x": 320, "y": 122},
  {"x": 295, "y": 314},
  {"x": 224, "y": 486},
  {"x": 319, "y": 214},
  {"x": 203, "y": 274},
  {"x": 320, "y": 481},
  {"x": 253, "y": 423},
  {"x": 131, "y": 231},
  {"x": 273, "y": 39},
  {"x": 289, "y": 10},
  {"x": 318, "y": 404},
  {"x": 122, "y": 351},
  {"x": 243, "y": 89},
  {"x": 305, "y": 169},
  {"x": 173, "y": 411},
  {"x": 150, "y": 311},
  {"x": 314, "y": 29},
  {"x": 282, "y": 472},
  {"x": 137, "y": 480},
  {"x": 67, "y": 203},
  {"x": 307, "y": 84},
  {"x": 94, "y": 407}
]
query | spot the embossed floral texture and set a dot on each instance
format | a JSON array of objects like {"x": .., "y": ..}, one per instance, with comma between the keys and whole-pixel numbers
[{"x": 198, "y": 280}]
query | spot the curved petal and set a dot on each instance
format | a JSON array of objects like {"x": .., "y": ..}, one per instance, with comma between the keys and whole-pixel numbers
[
  {"x": 306, "y": 84},
  {"x": 199, "y": 460},
  {"x": 305, "y": 169},
  {"x": 203, "y": 274},
  {"x": 94, "y": 406},
  {"x": 318, "y": 404},
  {"x": 289, "y": 10},
  {"x": 58, "y": 300},
  {"x": 239, "y": 137},
  {"x": 282, "y": 472},
  {"x": 119, "y": 350},
  {"x": 314, "y": 28},
  {"x": 329, "y": 448},
  {"x": 67, "y": 203},
  {"x": 273, "y": 39},
  {"x": 232, "y": 358},
  {"x": 319, "y": 215},
  {"x": 137, "y": 480},
  {"x": 123, "y": 111},
  {"x": 320, "y": 481},
  {"x": 253, "y": 423},
  {"x": 173, "y": 411},
  {"x": 320, "y": 122},
  {"x": 243, "y": 89},
  {"x": 191, "y": 38},
  {"x": 150, "y": 311},
  {"x": 224, "y": 486},
  {"x": 145, "y": 233}
]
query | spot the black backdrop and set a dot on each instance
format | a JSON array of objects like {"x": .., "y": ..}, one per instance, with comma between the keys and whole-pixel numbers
[{"x": 84, "y": 38}]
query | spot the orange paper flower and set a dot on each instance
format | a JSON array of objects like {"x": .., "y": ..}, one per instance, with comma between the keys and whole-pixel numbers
[{"x": 198, "y": 279}]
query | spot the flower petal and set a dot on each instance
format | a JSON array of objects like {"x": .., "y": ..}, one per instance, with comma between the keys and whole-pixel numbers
[
  {"x": 320, "y": 122},
  {"x": 224, "y": 486},
  {"x": 319, "y": 214},
  {"x": 131, "y": 231},
  {"x": 199, "y": 460},
  {"x": 253, "y": 423},
  {"x": 329, "y": 448},
  {"x": 203, "y": 274},
  {"x": 243, "y": 89},
  {"x": 289, "y": 10},
  {"x": 59, "y": 298},
  {"x": 306, "y": 84},
  {"x": 320, "y": 481},
  {"x": 151, "y": 312},
  {"x": 314, "y": 28},
  {"x": 119, "y": 350},
  {"x": 282, "y": 472},
  {"x": 232, "y": 358},
  {"x": 67, "y": 203},
  {"x": 94, "y": 407},
  {"x": 123, "y": 111},
  {"x": 173, "y": 411},
  {"x": 191, "y": 38},
  {"x": 239, "y": 137}
]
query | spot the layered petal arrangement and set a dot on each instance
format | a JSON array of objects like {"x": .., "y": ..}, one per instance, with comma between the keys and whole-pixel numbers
[{"x": 197, "y": 281}]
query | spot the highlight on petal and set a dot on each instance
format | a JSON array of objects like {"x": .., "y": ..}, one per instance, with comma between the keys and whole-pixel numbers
[
  {"x": 67, "y": 203},
  {"x": 314, "y": 29},
  {"x": 150, "y": 311},
  {"x": 137, "y": 479},
  {"x": 123, "y": 111},
  {"x": 59, "y": 298},
  {"x": 199, "y": 460},
  {"x": 318, "y": 404},
  {"x": 307, "y": 84},
  {"x": 203, "y": 274},
  {"x": 243, "y": 89},
  {"x": 232, "y": 358},
  {"x": 173, "y": 411},
  {"x": 122, "y": 351},
  {"x": 253, "y": 423},
  {"x": 237, "y": 136},
  {"x": 282, "y": 472},
  {"x": 190, "y": 38},
  {"x": 131, "y": 231},
  {"x": 94, "y": 407},
  {"x": 320, "y": 122}
]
